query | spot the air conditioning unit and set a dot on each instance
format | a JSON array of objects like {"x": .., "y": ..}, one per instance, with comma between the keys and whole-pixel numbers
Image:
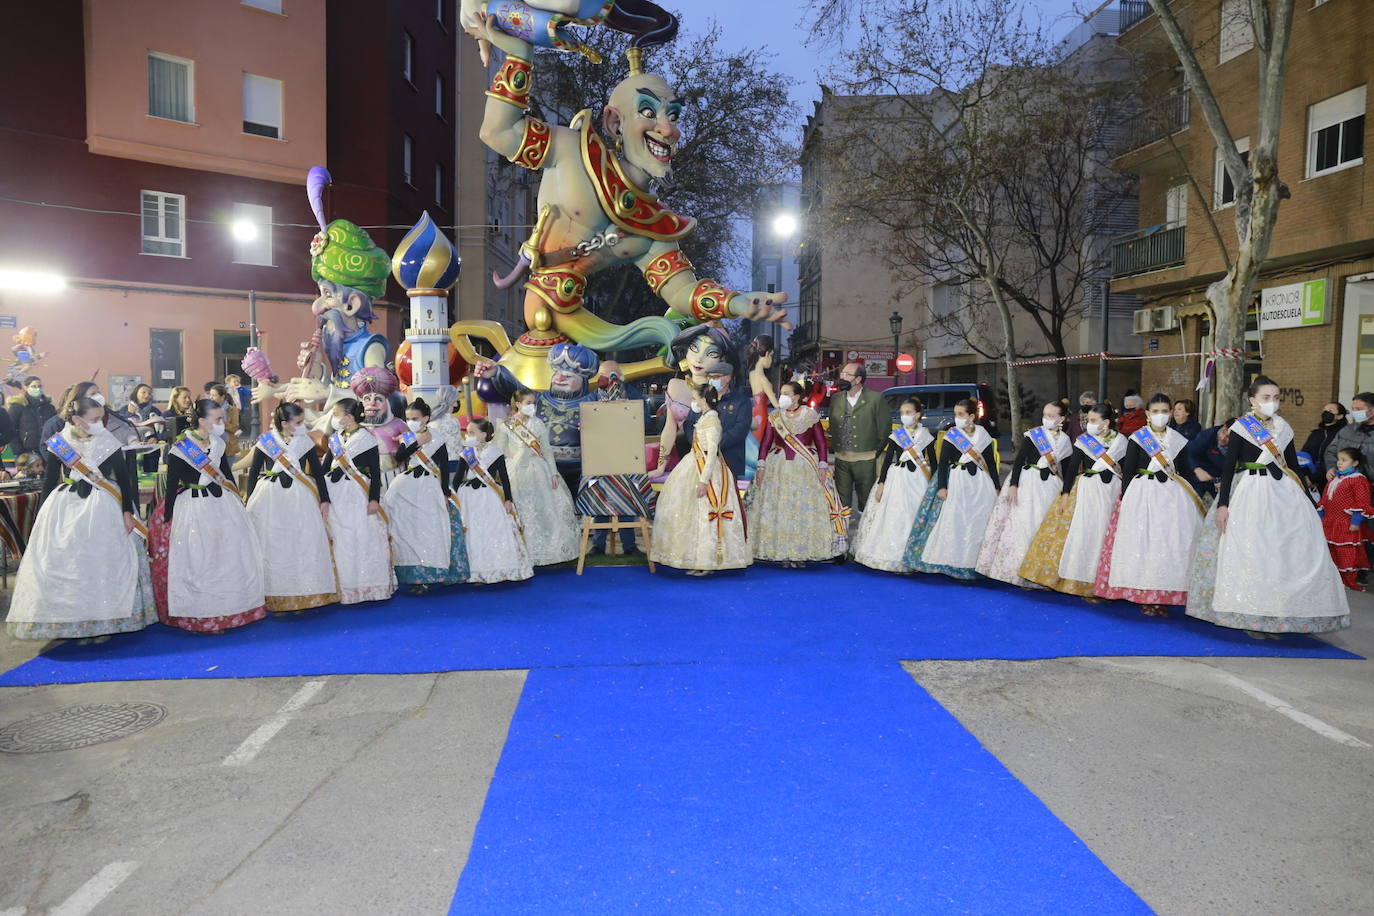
[
  {"x": 1164, "y": 319},
  {"x": 1142, "y": 321}
]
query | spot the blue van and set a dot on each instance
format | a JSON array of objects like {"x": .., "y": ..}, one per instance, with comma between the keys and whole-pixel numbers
[{"x": 939, "y": 401}]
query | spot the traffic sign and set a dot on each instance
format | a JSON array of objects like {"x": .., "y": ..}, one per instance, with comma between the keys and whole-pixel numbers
[{"x": 905, "y": 362}]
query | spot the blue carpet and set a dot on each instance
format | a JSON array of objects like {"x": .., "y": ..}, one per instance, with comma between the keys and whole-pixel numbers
[
  {"x": 625, "y": 616},
  {"x": 829, "y": 788}
]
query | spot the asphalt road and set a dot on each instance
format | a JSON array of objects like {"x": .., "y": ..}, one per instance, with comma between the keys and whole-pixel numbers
[{"x": 1187, "y": 782}]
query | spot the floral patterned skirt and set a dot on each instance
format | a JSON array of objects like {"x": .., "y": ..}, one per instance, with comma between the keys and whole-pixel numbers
[
  {"x": 926, "y": 517},
  {"x": 457, "y": 570},
  {"x": 1103, "y": 589},
  {"x": 159, "y": 545}
]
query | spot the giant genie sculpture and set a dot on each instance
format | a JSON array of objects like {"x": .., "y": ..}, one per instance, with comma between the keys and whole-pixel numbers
[{"x": 596, "y": 202}]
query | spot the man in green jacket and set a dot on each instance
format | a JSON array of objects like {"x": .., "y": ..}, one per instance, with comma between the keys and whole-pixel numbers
[{"x": 859, "y": 423}]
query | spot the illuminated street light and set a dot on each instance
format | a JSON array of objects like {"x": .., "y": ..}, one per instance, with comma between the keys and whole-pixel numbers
[
  {"x": 27, "y": 281},
  {"x": 243, "y": 230},
  {"x": 784, "y": 224}
]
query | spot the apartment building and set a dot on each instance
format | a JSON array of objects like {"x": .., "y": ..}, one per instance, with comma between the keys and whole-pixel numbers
[
  {"x": 154, "y": 155},
  {"x": 1311, "y": 326}
]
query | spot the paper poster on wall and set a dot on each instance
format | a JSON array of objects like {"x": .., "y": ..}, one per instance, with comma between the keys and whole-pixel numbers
[{"x": 122, "y": 388}]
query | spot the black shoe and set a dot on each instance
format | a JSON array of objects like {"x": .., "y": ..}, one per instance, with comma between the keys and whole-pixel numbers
[
  {"x": 841, "y": 559},
  {"x": 632, "y": 552},
  {"x": 596, "y": 551}
]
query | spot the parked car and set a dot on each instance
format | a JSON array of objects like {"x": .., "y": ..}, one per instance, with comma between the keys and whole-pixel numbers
[{"x": 939, "y": 401}]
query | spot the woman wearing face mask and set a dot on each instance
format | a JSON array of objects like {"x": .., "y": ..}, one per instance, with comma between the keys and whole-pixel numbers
[
  {"x": 496, "y": 541},
  {"x": 1044, "y": 469},
  {"x": 539, "y": 493},
  {"x": 796, "y": 513},
  {"x": 699, "y": 523},
  {"x": 357, "y": 522},
  {"x": 117, "y": 426},
  {"x": 288, "y": 502},
  {"x": 1150, "y": 537},
  {"x": 1332, "y": 422},
  {"x": 905, "y": 473},
  {"x": 417, "y": 504},
  {"x": 1066, "y": 549},
  {"x": 1262, "y": 564},
  {"x": 85, "y": 572},
  {"x": 949, "y": 526},
  {"x": 214, "y": 565}
]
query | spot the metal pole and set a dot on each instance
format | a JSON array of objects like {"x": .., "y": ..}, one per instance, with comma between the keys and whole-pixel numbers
[
  {"x": 1106, "y": 342},
  {"x": 252, "y": 318}
]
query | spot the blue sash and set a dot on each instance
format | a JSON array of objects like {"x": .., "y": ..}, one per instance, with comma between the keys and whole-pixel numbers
[
  {"x": 1089, "y": 444},
  {"x": 63, "y": 450},
  {"x": 336, "y": 445},
  {"x": 199, "y": 459},
  {"x": 1265, "y": 438},
  {"x": 1041, "y": 440},
  {"x": 965, "y": 445},
  {"x": 270, "y": 445}
]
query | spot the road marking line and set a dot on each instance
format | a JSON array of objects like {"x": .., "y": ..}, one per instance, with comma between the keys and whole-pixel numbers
[
  {"x": 89, "y": 895},
  {"x": 1282, "y": 708},
  {"x": 267, "y": 730}
]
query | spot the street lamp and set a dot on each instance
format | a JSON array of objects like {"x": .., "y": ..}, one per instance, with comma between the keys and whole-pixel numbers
[
  {"x": 243, "y": 230},
  {"x": 895, "y": 323},
  {"x": 785, "y": 225},
  {"x": 27, "y": 281}
]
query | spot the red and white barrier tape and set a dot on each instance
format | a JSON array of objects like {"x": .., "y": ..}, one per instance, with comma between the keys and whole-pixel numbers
[{"x": 1225, "y": 353}]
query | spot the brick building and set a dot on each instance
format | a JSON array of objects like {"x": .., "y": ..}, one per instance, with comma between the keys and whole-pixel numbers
[{"x": 1311, "y": 327}]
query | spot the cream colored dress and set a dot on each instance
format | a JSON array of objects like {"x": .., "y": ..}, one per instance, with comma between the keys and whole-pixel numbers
[
  {"x": 706, "y": 532},
  {"x": 538, "y": 490},
  {"x": 790, "y": 507}
]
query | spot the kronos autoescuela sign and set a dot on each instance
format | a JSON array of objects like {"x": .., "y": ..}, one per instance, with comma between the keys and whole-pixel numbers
[{"x": 1296, "y": 305}]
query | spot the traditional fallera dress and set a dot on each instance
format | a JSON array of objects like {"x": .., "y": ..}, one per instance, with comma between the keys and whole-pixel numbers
[
  {"x": 708, "y": 532},
  {"x": 496, "y": 543},
  {"x": 1044, "y": 470},
  {"x": 1346, "y": 492},
  {"x": 1151, "y": 534},
  {"x": 417, "y": 510},
  {"x": 362, "y": 547},
  {"x": 82, "y": 574},
  {"x": 285, "y": 489},
  {"x": 906, "y": 472},
  {"x": 796, "y": 513},
  {"x": 214, "y": 565},
  {"x": 1067, "y": 548},
  {"x": 539, "y": 491},
  {"x": 947, "y": 534},
  {"x": 1272, "y": 571}
]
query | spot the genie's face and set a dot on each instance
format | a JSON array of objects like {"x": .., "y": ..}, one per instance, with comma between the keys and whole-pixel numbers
[
  {"x": 375, "y": 408},
  {"x": 643, "y": 111},
  {"x": 345, "y": 304},
  {"x": 702, "y": 352},
  {"x": 565, "y": 384}
]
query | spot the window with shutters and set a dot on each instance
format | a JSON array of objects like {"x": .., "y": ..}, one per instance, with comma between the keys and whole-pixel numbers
[
  {"x": 439, "y": 182},
  {"x": 1225, "y": 188},
  {"x": 408, "y": 57},
  {"x": 1335, "y": 133},
  {"x": 261, "y": 106},
  {"x": 171, "y": 87},
  {"x": 1237, "y": 33},
  {"x": 407, "y": 158},
  {"x": 440, "y": 93},
  {"x": 1176, "y": 206},
  {"x": 164, "y": 224},
  {"x": 253, "y": 246}
]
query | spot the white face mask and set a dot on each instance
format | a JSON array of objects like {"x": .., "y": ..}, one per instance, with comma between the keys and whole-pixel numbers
[
  {"x": 1358, "y": 416},
  {"x": 963, "y": 422},
  {"x": 415, "y": 425},
  {"x": 471, "y": 441},
  {"x": 218, "y": 428},
  {"x": 527, "y": 409},
  {"x": 1267, "y": 408},
  {"x": 1049, "y": 422},
  {"x": 785, "y": 401},
  {"x": 1159, "y": 420},
  {"x": 337, "y": 424},
  {"x": 297, "y": 430},
  {"x": 1092, "y": 428},
  {"x": 98, "y": 398},
  {"x": 910, "y": 419},
  {"x": 696, "y": 407}
]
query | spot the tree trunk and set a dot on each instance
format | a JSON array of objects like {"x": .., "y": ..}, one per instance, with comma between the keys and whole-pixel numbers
[{"x": 1009, "y": 341}]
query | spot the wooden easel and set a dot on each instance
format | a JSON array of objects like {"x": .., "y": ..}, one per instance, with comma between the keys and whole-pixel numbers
[{"x": 638, "y": 523}]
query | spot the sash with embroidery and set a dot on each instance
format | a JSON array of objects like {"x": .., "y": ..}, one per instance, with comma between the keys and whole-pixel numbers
[
  {"x": 522, "y": 432},
  {"x": 272, "y": 448},
  {"x": 839, "y": 513},
  {"x": 908, "y": 445},
  {"x": 1095, "y": 450},
  {"x": 199, "y": 459},
  {"x": 963, "y": 443},
  {"x": 1265, "y": 439},
  {"x": 69, "y": 456},
  {"x": 718, "y": 513},
  {"x": 1041, "y": 440},
  {"x": 1155, "y": 449},
  {"x": 426, "y": 462},
  {"x": 337, "y": 449},
  {"x": 474, "y": 465}
]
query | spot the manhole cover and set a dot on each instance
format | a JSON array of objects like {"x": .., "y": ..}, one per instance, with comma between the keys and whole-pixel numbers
[{"x": 78, "y": 726}]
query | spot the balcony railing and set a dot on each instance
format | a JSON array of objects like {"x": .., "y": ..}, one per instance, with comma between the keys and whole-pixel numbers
[
  {"x": 1170, "y": 116},
  {"x": 1132, "y": 11},
  {"x": 1149, "y": 249}
]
